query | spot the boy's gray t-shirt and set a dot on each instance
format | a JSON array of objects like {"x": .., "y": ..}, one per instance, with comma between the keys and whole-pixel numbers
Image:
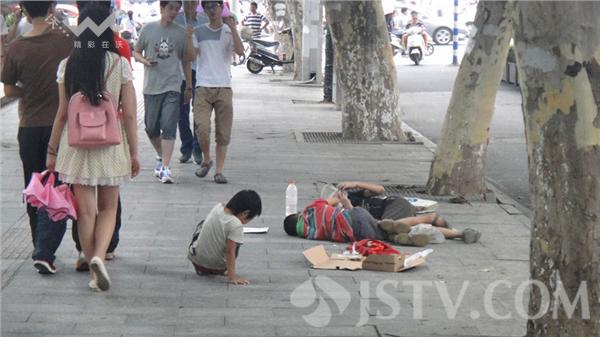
[
  {"x": 211, "y": 246},
  {"x": 166, "y": 46}
]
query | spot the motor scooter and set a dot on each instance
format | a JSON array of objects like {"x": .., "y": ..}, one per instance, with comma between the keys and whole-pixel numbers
[
  {"x": 265, "y": 54},
  {"x": 397, "y": 47},
  {"x": 415, "y": 44}
]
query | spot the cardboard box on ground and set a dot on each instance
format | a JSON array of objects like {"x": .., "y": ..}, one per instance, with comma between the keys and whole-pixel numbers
[{"x": 319, "y": 259}]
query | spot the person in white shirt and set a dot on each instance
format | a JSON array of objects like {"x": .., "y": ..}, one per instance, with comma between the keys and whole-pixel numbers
[
  {"x": 128, "y": 24},
  {"x": 214, "y": 44}
]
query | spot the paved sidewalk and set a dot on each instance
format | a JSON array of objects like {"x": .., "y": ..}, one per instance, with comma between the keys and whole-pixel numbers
[{"x": 156, "y": 293}]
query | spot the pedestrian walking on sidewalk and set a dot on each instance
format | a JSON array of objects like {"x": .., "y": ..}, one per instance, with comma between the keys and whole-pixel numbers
[
  {"x": 189, "y": 140},
  {"x": 32, "y": 60},
  {"x": 95, "y": 173},
  {"x": 123, "y": 50},
  {"x": 162, "y": 47},
  {"x": 214, "y": 44}
]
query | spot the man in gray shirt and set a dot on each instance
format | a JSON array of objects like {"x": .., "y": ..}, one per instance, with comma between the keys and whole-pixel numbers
[{"x": 164, "y": 48}]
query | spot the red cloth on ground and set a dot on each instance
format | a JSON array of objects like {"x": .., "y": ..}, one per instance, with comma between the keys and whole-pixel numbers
[{"x": 368, "y": 247}]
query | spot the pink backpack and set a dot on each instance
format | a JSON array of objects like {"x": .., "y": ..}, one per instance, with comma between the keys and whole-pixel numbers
[{"x": 91, "y": 127}]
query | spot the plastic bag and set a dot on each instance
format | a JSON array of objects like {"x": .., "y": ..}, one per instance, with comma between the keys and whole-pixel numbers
[{"x": 435, "y": 236}]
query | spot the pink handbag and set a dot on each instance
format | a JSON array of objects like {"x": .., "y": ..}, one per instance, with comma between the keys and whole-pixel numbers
[
  {"x": 58, "y": 201},
  {"x": 91, "y": 126}
]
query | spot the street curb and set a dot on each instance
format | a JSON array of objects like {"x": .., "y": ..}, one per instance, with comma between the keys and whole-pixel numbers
[
  {"x": 501, "y": 197},
  {"x": 6, "y": 100}
]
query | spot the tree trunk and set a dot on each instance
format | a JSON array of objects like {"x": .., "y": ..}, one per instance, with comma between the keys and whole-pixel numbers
[
  {"x": 558, "y": 54},
  {"x": 458, "y": 167},
  {"x": 365, "y": 69},
  {"x": 328, "y": 76},
  {"x": 294, "y": 12},
  {"x": 279, "y": 22}
]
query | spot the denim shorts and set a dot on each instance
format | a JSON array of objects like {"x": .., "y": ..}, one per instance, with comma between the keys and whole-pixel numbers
[{"x": 162, "y": 114}]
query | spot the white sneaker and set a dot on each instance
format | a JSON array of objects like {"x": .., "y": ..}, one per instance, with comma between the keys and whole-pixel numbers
[
  {"x": 102, "y": 278},
  {"x": 157, "y": 167},
  {"x": 165, "y": 176}
]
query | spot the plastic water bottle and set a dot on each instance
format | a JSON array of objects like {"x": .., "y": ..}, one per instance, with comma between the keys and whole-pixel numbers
[{"x": 291, "y": 198}]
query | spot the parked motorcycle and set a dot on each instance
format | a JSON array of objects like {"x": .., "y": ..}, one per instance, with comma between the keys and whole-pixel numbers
[{"x": 264, "y": 54}]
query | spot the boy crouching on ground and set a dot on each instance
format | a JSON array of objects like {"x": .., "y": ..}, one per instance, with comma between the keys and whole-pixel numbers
[{"x": 217, "y": 239}]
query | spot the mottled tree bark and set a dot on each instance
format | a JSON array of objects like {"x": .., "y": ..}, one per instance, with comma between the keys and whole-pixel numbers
[
  {"x": 294, "y": 10},
  {"x": 558, "y": 54},
  {"x": 365, "y": 69},
  {"x": 286, "y": 46},
  {"x": 458, "y": 167}
]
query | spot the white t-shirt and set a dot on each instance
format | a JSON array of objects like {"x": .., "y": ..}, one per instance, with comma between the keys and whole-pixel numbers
[
  {"x": 211, "y": 246},
  {"x": 213, "y": 65}
]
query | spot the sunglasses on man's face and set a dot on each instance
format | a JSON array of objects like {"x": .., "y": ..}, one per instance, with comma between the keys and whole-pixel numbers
[{"x": 212, "y": 5}]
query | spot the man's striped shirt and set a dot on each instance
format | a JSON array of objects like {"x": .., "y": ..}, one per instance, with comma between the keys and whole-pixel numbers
[{"x": 254, "y": 21}]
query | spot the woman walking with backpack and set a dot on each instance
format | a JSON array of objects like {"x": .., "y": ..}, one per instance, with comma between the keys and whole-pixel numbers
[{"x": 97, "y": 150}]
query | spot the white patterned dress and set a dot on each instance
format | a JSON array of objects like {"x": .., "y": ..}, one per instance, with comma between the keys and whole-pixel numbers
[{"x": 106, "y": 166}]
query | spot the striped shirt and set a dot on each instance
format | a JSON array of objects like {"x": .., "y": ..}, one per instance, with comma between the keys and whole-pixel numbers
[
  {"x": 322, "y": 221},
  {"x": 254, "y": 21}
]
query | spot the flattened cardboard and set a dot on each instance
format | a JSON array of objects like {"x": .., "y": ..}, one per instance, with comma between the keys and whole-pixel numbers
[
  {"x": 390, "y": 263},
  {"x": 319, "y": 259}
]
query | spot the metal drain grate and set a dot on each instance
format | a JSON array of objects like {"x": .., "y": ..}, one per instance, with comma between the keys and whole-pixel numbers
[
  {"x": 322, "y": 137},
  {"x": 330, "y": 137}
]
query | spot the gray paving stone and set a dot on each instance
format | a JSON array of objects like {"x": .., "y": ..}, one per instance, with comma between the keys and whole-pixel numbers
[
  {"x": 10, "y": 328},
  {"x": 193, "y": 330},
  {"x": 108, "y": 328},
  {"x": 327, "y": 331}
]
